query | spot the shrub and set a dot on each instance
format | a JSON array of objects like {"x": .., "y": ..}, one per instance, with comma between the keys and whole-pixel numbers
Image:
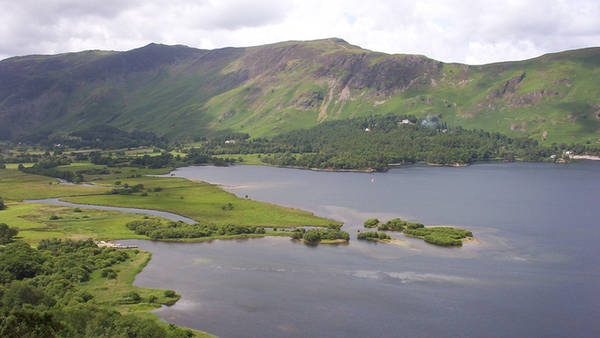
[
  {"x": 77, "y": 210},
  {"x": 7, "y": 233},
  {"x": 170, "y": 293},
  {"x": 132, "y": 297},
  {"x": 371, "y": 222}
]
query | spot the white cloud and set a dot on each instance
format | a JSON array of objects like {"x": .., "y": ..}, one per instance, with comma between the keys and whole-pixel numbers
[{"x": 457, "y": 31}]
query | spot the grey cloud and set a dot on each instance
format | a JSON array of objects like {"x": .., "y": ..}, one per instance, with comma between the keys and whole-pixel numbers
[
  {"x": 246, "y": 13},
  {"x": 457, "y": 31}
]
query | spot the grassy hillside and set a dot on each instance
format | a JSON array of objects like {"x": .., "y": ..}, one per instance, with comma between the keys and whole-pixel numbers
[{"x": 182, "y": 92}]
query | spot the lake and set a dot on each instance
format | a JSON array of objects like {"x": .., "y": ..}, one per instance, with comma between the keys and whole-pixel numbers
[{"x": 535, "y": 272}]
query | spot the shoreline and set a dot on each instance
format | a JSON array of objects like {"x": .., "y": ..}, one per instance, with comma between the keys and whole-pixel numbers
[{"x": 585, "y": 157}]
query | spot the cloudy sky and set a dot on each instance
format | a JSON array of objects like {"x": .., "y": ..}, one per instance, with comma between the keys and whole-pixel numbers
[{"x": 472, "y": 32}]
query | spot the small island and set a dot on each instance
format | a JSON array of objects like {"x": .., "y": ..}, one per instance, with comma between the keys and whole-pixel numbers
[
  {"x": 437, "y": 235},
  {"x": 374, "y": 236},
  {"x": 332, "y": 235}
]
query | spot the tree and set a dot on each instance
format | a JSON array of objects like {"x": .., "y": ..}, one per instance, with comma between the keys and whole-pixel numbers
[
  {"x": 2, "y": 206},
  {"x": 371, "y": 222},
  {"x": 7, "y": 233}
]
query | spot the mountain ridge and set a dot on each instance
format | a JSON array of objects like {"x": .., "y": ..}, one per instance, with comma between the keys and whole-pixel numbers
[{"x": 183, "y": 92}]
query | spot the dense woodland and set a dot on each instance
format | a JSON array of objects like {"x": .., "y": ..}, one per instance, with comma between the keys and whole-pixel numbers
[
  {"x": 377, "y": 142},
  {"x": 40, "y": 293}
]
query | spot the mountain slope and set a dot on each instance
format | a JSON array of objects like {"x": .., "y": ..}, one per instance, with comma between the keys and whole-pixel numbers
[{"x": 184, "y": 92}]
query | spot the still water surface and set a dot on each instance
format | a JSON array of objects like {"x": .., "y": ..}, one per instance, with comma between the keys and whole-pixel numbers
[{"x": 535, "y": 272}]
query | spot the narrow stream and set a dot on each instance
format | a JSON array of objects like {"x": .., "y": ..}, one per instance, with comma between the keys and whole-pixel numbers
[{"x": 164, "y": 214}]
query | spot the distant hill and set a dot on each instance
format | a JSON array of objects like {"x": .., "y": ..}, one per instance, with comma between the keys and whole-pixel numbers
[{"x": 185, "y": 93}]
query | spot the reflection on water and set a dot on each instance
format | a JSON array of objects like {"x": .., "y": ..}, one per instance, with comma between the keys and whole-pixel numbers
[{"x": 535, "y": 271}]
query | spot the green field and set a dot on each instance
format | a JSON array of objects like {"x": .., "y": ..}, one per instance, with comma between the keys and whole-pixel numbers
[
  {"x": 35, "y": 222},
  {"x": 17, "y": 186},
  {"x": 204, "y": 203}
]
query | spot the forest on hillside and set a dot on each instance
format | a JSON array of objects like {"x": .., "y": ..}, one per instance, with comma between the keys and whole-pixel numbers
[{"x": 376, "y": 142}]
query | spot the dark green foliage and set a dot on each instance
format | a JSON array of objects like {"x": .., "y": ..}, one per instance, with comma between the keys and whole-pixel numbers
[
  {"x": 344, "y": 144},
  {"x": 29, "y": 323},
  {"x": 161, "y": 161},
  {"x": 317, "y": 235},
  {"x": 445, "y": 236},
  {"x": 131, "y": 297},
  {"x": 372, "y": 235},
  {"x": 108, "y": 273},
  {"x": 227, "y": 207},
  {"x": 398, "y": 224},
  {"x": 47, "y": 167},
  {"x": 170, "y": 293},
  {"x": 108, "y": 137},
  {"x": 19, "y": 261},
  {"x": 155, "y": 229},
  {"x": 77, "y": 210},
  {"x": 127, "y": 189},
  {"x": 7, "y": 233},
  {"x": 2, "y": 205},
  {"x": 371, "y": 222},
  {"x": 39, "y": 297}
]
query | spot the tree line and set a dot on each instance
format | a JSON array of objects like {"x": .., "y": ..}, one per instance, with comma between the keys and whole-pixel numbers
[{"x": 378, "y": 141}]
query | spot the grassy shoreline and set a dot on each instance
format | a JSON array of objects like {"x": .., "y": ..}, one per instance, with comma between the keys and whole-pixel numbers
[{"x": 200, "y": 201}]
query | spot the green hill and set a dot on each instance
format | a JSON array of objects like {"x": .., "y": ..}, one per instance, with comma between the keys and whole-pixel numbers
[{"x": 185, "y": 93}]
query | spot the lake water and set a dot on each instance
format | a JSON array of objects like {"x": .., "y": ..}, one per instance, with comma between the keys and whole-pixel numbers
[{"x": 535, "y": 272}]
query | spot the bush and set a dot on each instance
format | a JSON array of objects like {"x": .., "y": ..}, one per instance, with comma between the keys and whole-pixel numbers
[
  {"x": 312, "y": 236},
  {"x": 170, "y": 293},
  {"x": 54, "y": 217},
  {"x": 371, "y": 235},
  {"x": 77, "y": 210},
  {"x": 152, "y": 299},
  {"x": 371, "y": 222},
  {"x": 108, "y": 273},
  {"x": 317, "y": 235},
  {"x": 7, "y": 233},
  {"x": 132, "y": 297},
  {"x": 2, "y": 205}
]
